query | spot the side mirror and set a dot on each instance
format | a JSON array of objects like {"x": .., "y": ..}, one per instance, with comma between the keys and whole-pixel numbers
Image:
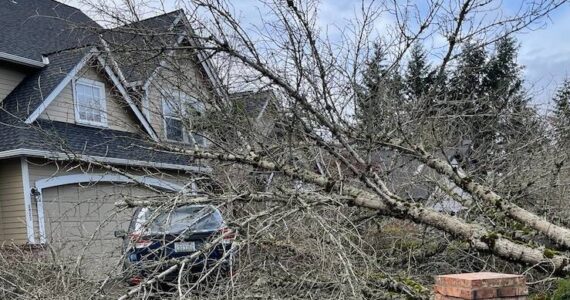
[{"x": 120, "y": 233}]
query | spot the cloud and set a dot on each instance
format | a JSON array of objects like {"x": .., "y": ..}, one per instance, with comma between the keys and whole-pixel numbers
[
  {"x": 546, "y": 55},
  {"x": 544, "y": 52}
]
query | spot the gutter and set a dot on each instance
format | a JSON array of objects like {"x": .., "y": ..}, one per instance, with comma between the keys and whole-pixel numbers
[
  {"x": 110, "y": 160},
  {"x": 22, "y": 60}
]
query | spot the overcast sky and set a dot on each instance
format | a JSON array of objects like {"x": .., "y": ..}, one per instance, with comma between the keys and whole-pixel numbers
[{"x": 545, "y": 52}]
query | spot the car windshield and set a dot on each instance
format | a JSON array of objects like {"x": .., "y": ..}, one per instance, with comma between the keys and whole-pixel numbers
[{"x": 190, "y": 218}]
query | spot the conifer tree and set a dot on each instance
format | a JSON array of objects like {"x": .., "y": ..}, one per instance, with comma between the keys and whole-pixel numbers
[
  {"x": 562, "y": 112},
  {"x": 418, "y": 76},
  {"x": 379, "y": 94},
  {"x": 464, "y": 93}
]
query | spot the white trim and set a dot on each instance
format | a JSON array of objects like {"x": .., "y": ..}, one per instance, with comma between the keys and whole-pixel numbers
[
  {"x": 70, "y": 76},
  {"x": 42, "y": 184},
  {"x": 146, "y": 105},
  {"x": 162, "y": 63},
  {"x": 127, "y": 98},
  {"x": 113, "y": 62},
  {"x": 216, "y": 82},
  {"x": 262, "y": 111},
  {"x": 214, "y": 79},
  {"x": 102, "y": 101},
  {"x": 105, "y": 177},
  {"x": 22, "y": 60},
  {"x": 41, "y": 218},
  {"x": 134, "y": 83},
  {"x": 110, "y": 160},
  {"x": 182, "y": 99},
  {"x": 27, "y": 201}
]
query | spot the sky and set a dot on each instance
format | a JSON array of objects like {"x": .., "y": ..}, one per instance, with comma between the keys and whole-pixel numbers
[{"x": 544, "y": 51}]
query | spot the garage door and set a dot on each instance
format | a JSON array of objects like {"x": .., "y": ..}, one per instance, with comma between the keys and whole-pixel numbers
[{"x": 81, "y": 219}]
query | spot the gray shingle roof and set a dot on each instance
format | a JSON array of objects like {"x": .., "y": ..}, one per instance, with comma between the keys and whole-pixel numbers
[
  {"x": 150, "y": 39},
  {"x": 32, "y": 28},
  {"x": 251, "y": 103},
  {"x": 72, "y": 139},
  {"x": 44, "y": 28},
  {"x": 32, "y": 91}
]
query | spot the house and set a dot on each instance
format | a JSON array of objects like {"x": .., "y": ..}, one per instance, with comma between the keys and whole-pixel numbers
[{"x": 75, "y": 96}]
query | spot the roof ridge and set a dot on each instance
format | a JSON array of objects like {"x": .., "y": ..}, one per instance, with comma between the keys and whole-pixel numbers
[
  {"x": 180, "y": 10},
  {"x": 73, "y": 7},
  {"x": 59, "y": 51}
]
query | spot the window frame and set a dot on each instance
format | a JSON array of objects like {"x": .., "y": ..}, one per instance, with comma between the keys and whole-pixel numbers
[
  {"x": 181, "y": 98},
  {"x": 103, "y": 102},
  {"x": 165, "y": 123}
]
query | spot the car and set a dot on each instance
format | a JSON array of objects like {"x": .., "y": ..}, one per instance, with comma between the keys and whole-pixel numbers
[{"x": 159, "y": 238}]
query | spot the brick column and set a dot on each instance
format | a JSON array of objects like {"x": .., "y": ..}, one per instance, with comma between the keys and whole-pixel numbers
[{"x": 483, "y": 285}]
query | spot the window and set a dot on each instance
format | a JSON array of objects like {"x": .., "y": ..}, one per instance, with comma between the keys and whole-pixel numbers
[
  {"x": 90, "y": 106},
  {"x": 179, "y": 112}
]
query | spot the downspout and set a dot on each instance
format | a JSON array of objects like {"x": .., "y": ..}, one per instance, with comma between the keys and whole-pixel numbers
[{"x": 27, "y": 201}]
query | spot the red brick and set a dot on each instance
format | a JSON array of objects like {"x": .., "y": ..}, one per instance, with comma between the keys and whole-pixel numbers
[
  {"x": 442, "y": 297},
  {"x": 482, "y": 285},
  {"x": 481, "y": 279}
]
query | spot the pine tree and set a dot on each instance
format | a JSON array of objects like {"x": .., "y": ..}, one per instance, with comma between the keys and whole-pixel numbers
[
  {"x": 562, "y": 112},
  {"x": 489, "y": 96},
  {"x": 418, "y": 76},
  {"x": 467, "y": 80},
  {"x": 378, "y": 95},
  {"x": 503, "y": 80},
  {"x": 464, "y": 94},
  {"x": 507, "y": 98}
]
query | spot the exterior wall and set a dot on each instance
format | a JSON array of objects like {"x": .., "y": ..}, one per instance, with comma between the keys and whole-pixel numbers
[
  {"x": 91, "y": 202},
  {"x": 81, "y": 218},
  {"x": 183, "y": 73},
  {"x": 12, "y": 209},
  {"x": 118, "y": 116},
  {"x": 10, "y": 77}
]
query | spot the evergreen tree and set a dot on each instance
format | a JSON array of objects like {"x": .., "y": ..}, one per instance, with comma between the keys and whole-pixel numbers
[
  {"x": 466, "y": 83},
  {"x": 379, "y": 94},
  {"x": 562, "y": 112},
  {"x": 418, "y": 76},
  {"x": 516, "y": 121},
  {"x": 489, "y": 97},
  {"x": 464, "y": 94},
  {"x": 503, "y": 80}
]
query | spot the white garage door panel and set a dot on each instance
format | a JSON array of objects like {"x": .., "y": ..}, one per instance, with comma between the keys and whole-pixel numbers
[{"x": 83, "y": 218}]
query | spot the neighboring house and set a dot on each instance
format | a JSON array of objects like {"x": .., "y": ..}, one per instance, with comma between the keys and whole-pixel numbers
[{"x": 73, "y": 93}]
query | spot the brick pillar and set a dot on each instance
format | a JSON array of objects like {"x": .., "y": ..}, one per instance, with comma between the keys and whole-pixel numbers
[{"x": 483, "y": 285}]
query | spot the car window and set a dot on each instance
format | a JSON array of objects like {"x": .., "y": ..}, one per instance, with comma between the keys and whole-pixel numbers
[{"x": 193, "y": 218}]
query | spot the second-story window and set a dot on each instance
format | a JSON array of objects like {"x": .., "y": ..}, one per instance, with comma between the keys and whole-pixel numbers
[
  {"x": 90, "y": 105},
  {"x": 173, "y": 121},
  {"x": 180, "y": 111}
]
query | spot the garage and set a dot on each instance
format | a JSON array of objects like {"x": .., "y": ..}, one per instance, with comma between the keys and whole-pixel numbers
[{"x": 80, "y": 220}]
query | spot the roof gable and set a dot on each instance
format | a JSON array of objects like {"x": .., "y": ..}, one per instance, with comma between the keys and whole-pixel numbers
[
  {"x": 50, "y": 31},
  {"x": 149, "y": 39},
  {"x": 118, "y": 115},
  {"x": 31, "y": 96}
]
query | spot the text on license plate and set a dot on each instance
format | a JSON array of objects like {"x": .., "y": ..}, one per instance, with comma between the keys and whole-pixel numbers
[{"x": 184, "y": 247}]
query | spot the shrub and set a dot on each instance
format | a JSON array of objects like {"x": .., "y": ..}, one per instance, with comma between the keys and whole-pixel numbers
[{"x": 563, "y": 290}]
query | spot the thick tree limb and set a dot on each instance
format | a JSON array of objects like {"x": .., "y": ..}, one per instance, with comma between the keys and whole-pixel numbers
[
  {"x": 388, "y": 204},
  {"x": 558, "y": 234}
]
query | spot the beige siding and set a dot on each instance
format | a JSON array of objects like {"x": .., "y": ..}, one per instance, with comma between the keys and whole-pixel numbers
[
  {"x": 10, "y": 77},
  {"x": 183, "y": 74},
  {"x": 119, "y": 116},
  {"x": 81, "y": 214},
  {"x": 12, "y": 210}
]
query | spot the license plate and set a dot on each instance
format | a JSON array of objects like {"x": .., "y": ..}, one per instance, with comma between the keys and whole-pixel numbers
[{"x": 184, "y": 247}]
